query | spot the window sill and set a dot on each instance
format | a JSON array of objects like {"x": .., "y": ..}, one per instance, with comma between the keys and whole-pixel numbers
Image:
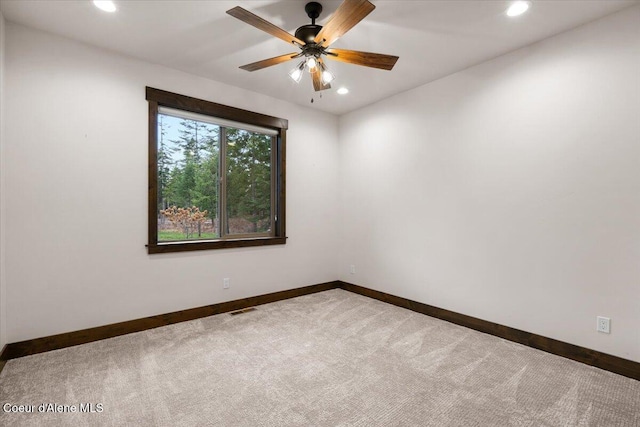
[{"x": 160, "y": 248}]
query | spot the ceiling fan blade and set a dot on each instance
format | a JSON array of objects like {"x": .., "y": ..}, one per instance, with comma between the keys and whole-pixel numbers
[
  {"x": 368, "y": 59},
  {"x": 318, "y": 85},
  {"x": 269, "y": 62},
  {"x": 266, "y": 26},
  {"x": 348, "y": 14}
]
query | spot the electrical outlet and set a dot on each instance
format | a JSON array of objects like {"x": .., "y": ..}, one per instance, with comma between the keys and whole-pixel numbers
[
  {"x": 603, "y": 325},
  {"x": 226, "y": 283},
  {"x": 352, "y": 269}
]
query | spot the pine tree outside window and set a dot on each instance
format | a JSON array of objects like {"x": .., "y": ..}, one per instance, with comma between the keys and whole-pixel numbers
[{"x": 216, "y": 175}]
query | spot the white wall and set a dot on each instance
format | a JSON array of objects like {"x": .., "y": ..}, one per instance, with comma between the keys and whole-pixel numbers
[
  {"x": 509, "y": 191},
  {"x": 3, "y": 323},
  {"x": 76, "y": 194}
]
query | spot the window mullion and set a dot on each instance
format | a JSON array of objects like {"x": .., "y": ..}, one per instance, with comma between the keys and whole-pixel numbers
[
  {"x": 222, "y": 179},
  {"x": 274, "y": 186}
]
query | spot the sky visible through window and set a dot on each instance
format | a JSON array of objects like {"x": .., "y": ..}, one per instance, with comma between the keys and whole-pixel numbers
[{"x": 171, "y": 127}]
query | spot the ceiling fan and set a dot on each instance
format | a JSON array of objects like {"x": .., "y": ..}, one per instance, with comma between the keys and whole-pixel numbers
[{"x": 314, "y": 42}]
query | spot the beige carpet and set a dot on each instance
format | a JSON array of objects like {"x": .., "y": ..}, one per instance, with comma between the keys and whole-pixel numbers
[{"x": 328, "y": 359}]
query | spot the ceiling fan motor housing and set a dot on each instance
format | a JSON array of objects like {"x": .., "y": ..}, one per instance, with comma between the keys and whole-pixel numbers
[{"x": 307, "y": 33}]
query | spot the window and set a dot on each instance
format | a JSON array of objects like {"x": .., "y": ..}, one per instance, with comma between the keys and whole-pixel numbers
[{"x": 216, "y": 175}]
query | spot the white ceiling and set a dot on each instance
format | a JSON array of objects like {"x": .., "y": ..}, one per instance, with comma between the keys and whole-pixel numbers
[{"x": 432, "y": 38}]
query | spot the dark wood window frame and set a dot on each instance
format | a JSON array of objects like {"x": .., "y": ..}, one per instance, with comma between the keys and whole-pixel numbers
[{"x": 160, "y": 98}]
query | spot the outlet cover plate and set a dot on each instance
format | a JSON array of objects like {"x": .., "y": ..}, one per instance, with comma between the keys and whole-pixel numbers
[{"x": 603, "y": 324}]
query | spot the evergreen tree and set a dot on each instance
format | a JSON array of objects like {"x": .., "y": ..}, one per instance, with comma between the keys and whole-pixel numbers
[
  {"x": 249, "y": 177},
  {"x": 165, "y": 161},
  {"x": 205, "y": 194}
]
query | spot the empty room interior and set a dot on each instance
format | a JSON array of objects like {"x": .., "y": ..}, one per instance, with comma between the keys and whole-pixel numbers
[{"x": 333, "y": 213}]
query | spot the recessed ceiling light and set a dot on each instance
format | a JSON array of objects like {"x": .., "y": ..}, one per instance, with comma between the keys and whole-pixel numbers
[
  {"x": 343, "y": 91},
  {"x": 518, "y": 7},
  {"x": 106, "y": 5}
]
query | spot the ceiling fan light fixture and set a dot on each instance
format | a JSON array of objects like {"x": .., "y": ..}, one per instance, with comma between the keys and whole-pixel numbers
[
  {"x": 296, "y": 73},
  {"x": 518, "y": 7},
  {"x": 311, "y": 63},
  {"x": 327, "y": 76}
]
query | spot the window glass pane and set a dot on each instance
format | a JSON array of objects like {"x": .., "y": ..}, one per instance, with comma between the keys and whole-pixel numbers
[
  {"x": 188, "y": 163},
  {"x": 248, "y": 185}
]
